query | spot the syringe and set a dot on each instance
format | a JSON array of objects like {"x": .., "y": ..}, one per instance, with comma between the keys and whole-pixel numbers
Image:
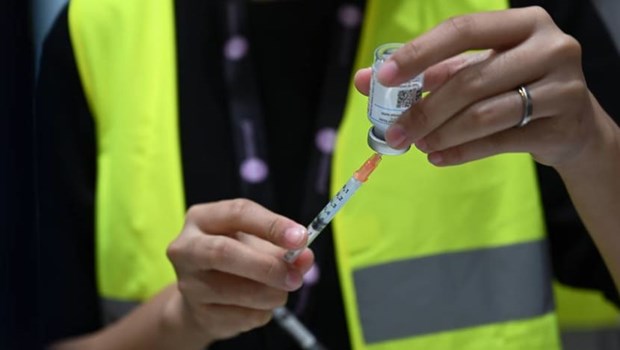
[
  {"x": 386, "y": 105},
  {"x": 285, "y": 318},
  {"x": 333, "y": 206}
]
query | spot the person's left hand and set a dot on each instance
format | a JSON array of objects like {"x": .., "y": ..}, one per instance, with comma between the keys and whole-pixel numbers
[
  {"x": 473, "y": 108},
  {"x": 230, "y": 269}
]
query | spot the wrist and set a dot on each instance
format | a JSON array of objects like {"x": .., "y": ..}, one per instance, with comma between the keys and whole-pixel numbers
[
  {"x": 599, "y": 149},
  {"x": 177, "y": 319}
]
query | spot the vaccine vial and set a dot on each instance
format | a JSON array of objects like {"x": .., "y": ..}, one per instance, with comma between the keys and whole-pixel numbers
[{"x": 386, "y": 104}]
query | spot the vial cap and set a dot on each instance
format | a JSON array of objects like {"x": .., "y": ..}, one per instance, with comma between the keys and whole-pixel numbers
[{"x": 380, "y": 146}]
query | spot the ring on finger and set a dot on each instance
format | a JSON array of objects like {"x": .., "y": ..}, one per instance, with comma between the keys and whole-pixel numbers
[{"x": 526, "y": 99}]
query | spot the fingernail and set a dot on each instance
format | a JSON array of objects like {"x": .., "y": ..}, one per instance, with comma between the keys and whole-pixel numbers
[
  {"x": 396, "y": 136},
  {"x": 294, "y": 235},
  {"x": 435, "y": 158},
  {"x": 293, "y": 280},
  {"x": 387, "y": 73},
  {"x": 422, "y": 145}
]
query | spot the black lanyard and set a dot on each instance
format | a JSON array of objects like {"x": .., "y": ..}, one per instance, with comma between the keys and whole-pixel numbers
[
  {"x": 248, "y": 121},
  {"x": 244, "y": 107}
]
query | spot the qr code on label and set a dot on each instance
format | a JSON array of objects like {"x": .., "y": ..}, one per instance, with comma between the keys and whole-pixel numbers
[{"x": 405, "y": 98}]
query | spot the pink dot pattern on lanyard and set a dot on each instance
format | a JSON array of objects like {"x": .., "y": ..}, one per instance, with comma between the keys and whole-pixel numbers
[
  {"x": 349, "y": 16},
  {"x": 312, "y": 276},
  {"x": 236, "y": 47},
  {"x": 325, "y": 140},
  {"x": 254, "y": 170}
]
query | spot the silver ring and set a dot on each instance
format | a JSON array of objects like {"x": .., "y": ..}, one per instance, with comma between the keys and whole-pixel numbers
[{"x": 527, "y": 106}]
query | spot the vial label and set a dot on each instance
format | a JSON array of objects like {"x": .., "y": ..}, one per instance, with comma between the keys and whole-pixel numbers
[{"x": 386, "y": 104}]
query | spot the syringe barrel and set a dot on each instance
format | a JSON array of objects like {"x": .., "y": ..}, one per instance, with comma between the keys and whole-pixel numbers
[{"x": 326, "y": 215}]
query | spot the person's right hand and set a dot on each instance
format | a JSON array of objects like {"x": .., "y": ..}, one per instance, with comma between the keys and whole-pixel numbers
[
  {"x": 474, "y": 108},
  {"x": 230, "y": 267}
]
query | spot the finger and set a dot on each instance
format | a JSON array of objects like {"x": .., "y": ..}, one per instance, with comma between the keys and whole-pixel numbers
[
  {"x": 230, "y": 216},
  {"x": 481, "y": 119},
  {"x": 488, "y": 30},
  {"x": 499, "y": 73},
  {"x": 526, "y": 139},
  {"x": 362, "y": 80},
  {"x": 216, "y": 287},
  {"x": 435, "y": 76},
  {"x": 258, "y": 243},
  {"x": 225, "y": 254},
  {"x": 303, "y": 262},
  {"x": 489, "y": 116}
]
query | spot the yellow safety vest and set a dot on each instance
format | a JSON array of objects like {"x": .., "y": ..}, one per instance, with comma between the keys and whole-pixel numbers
[
  {"x": 429, "y": 258},
  {"x": 584, "y": 310},
  {"x": 126, "y": 57}
]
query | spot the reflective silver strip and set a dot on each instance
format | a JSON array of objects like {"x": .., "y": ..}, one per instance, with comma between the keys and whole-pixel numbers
[
  {"x": 115, "y": 309},
  {"x": 609, "y": 10},
  {"x": 594, "y": 339},
  {"x": 451, "y": 291}
]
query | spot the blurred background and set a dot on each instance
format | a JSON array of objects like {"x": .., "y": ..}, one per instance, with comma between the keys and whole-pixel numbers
[{"x": 23, "y": 26}]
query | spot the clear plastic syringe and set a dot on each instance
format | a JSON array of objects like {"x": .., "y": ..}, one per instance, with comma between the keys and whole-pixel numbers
[
  {"x": 386, "y": 104},
  {"x": 285, "y": 318},
  {"x": 329, "y": 211}
]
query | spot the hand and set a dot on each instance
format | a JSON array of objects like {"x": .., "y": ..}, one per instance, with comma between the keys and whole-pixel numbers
[
  {"x": 230, "y": 267},
  {"x": 473, "y": 106}
]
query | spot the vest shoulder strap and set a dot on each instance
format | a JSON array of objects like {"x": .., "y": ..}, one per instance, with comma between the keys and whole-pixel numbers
[{"x": 126, "y": 58}]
